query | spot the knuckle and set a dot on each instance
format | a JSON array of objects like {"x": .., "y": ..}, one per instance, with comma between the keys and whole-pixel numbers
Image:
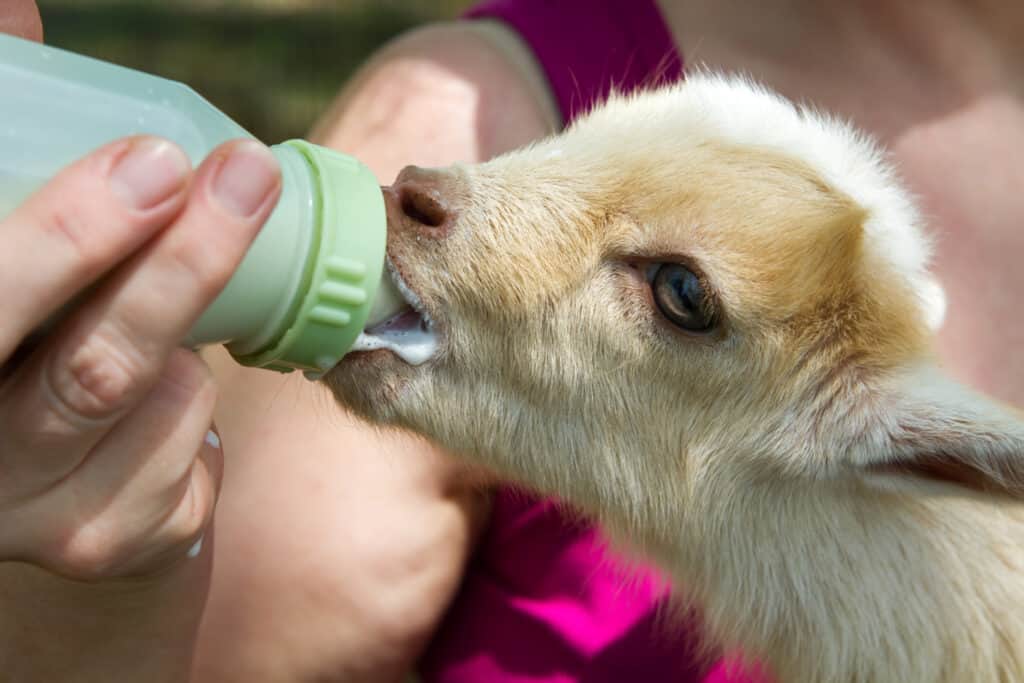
[
  {"x": 197, "y": 510},
  {"x": 187, "y": 501},
  {"x": 190, "y": 525},
  {"x": 189, "y": 519},
  {"x": 100, "y": 378},
  {"x": 109, "y": 548},
  {"x": 66, "y": 224},
  {"x": 207, "y": 269},
  {"x": 90, "y": 552},
  {"x": 188, "y": 377}
]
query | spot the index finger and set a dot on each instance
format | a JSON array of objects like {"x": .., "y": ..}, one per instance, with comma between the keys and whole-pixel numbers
[
  {"x": 106, "y": 357},
  {"x": 82, "y": 223}
]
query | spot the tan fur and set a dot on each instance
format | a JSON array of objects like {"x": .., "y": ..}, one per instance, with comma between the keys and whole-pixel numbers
[{"x": 789, "y": 469}]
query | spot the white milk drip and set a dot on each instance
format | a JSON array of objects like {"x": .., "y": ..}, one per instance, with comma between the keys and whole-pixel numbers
[{"x": 407, "y": 335}]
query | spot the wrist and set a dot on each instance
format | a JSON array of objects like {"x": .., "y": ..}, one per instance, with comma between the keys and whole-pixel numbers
[{"x": 141, "y": 628}]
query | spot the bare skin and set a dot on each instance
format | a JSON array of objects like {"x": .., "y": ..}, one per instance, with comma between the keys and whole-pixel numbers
[
  {"x": 338, "y": 600},
  {"x": 940, "y": 85},
  {"x": 309, "y": 595},
  {"x": 387, "y": 142},
  {"x": 862, "y": 66},
  {"x": 21, "y": 18},
  {"x": 347, "y": 600},
  {"x": 110, "y": 472}
]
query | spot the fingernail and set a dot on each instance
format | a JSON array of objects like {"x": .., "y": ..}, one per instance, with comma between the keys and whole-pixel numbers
[
  {"x": 196, "y": 548},
  {"x": 149, "y": 173},
  {"x": 212, "y": 439},
  {"x": 245, "y": 179}
]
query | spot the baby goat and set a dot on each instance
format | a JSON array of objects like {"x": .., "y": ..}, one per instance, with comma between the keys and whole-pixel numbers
[{"x": 703, "y": 316}]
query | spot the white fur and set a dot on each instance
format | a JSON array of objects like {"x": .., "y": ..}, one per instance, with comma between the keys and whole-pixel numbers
[
  {"x": 744, "y": 112},
  {"x": 837, "y": 506}
]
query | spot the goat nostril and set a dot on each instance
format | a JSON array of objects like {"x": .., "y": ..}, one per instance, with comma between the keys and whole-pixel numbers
[{"x": 423, "y": 206}]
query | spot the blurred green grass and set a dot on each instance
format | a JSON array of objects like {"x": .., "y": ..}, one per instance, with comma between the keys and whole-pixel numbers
[{"x": 272, "y": 65}]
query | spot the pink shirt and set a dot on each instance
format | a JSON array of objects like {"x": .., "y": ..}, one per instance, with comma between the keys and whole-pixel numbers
[{"x": 544, "y": 600}]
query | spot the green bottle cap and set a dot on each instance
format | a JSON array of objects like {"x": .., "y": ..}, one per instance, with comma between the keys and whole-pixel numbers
[{"x": 341, "y": 276}]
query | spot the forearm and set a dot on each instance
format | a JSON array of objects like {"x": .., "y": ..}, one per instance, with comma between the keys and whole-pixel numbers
[
  {"x": 53, "y": 629},
  {"x": 461, "y": 92},
  {"x": 354, "y": 539}
]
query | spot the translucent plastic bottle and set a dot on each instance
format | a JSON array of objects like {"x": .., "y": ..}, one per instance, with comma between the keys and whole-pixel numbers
[{"x": 312, "y": 279}]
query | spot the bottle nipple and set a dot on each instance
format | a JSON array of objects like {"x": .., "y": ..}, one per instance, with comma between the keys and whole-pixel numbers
[{"x": 388, "y": 303}]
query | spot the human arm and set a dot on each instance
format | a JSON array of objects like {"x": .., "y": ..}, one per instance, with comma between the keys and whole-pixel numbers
[
  {"x": 354, "y": 540},
  {"x": 108, "y": 476}
]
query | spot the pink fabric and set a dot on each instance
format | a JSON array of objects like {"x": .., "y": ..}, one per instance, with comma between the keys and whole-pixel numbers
[
  {"x": 586, "y": 47},
  {"x": 544, "y": 600}
]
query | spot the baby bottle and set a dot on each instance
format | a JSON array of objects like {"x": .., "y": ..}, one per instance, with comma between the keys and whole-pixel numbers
[{"x": 312, "y": 279}]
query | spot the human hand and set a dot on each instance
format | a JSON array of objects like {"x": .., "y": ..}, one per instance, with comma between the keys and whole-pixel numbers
[{"x": 107, "y": 468}]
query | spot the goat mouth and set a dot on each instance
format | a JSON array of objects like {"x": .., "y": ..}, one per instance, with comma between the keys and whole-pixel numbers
[{"x": 410, "y": 334}]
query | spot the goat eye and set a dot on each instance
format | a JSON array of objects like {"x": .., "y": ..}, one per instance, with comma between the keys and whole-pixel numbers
[{"x": 682, "y": 298}]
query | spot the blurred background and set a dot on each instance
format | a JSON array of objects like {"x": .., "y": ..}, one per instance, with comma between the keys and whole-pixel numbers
[{"x": 272, "y": 65}]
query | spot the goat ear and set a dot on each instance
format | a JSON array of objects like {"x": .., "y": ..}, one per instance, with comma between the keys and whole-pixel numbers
[{"x": 936, "y": 430}]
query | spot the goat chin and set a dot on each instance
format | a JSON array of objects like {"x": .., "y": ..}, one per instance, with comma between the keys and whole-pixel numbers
[{"x": 704, "y": 316}]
